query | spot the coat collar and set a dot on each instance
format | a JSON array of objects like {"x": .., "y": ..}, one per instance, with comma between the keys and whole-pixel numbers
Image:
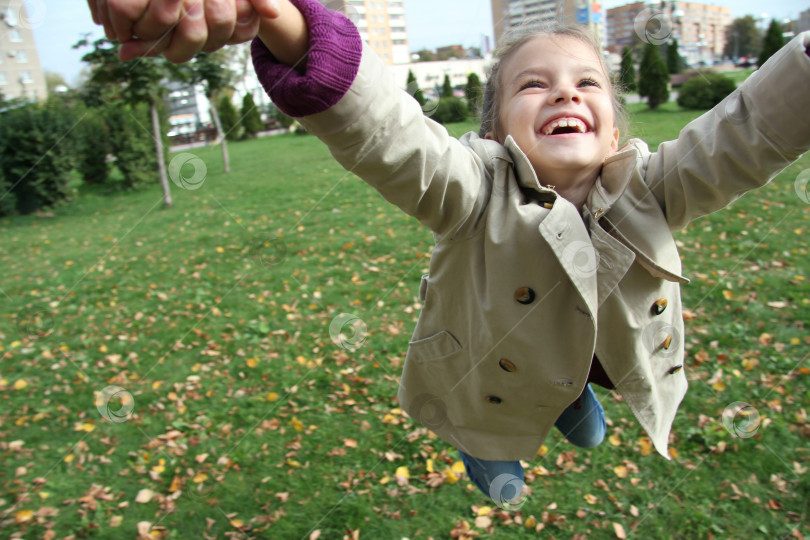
[{"x": 609, "y": 186}]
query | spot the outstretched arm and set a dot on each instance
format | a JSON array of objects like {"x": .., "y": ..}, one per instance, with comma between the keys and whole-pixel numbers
[{"x": 179, "y": 29}]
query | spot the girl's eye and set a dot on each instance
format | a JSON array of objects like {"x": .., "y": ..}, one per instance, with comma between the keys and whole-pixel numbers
[
  {"x": 532, "y": 84},
  {"x": 589, "y": 82}
]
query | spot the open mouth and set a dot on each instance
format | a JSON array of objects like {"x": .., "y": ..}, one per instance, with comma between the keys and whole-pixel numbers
[{"x": 565, "y": 125}]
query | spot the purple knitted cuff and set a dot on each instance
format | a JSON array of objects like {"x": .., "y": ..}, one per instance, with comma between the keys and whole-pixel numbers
[{"x": 335, "y": 49}]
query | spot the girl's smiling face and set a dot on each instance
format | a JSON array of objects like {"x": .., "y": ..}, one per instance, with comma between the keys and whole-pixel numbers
[{"x": 556, "y": 103}]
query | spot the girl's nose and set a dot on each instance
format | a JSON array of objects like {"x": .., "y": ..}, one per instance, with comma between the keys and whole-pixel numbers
[{"x": 564, "y": 94}]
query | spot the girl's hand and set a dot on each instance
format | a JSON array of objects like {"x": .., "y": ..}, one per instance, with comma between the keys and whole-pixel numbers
[{"x": 179, "y": 29}]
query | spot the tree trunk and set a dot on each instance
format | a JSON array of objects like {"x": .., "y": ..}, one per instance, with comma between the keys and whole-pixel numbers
[
  {"x": 221, "y": 136},
  {"x": 156, "y": 132}
]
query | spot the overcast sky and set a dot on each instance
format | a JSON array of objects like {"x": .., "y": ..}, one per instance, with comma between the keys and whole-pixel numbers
[{"x": 58, "y": 24}]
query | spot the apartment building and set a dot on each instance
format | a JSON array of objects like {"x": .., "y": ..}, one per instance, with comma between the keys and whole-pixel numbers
[
  {"x": 699, "y": 28},
  {"x": 21, "y": 75},
  {"x": 381, "y": 24},
  {"x": 510, "y": 13}
]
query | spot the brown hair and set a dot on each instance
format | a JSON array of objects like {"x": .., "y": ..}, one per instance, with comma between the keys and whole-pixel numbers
[{"x": 517, "y": 37}]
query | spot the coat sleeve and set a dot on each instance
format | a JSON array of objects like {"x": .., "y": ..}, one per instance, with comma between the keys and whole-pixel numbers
[
  {"x": 739, "y": 145},
  {"x": 375, "y": 129}
]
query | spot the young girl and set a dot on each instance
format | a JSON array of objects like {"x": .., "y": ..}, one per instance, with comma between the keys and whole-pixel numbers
[{"x": 554, "y": 264}]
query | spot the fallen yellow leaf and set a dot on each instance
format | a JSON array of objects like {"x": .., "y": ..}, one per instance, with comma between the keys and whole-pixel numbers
[
  {"x": 620, "y": 471},
  {"x": 402, "y": 472},
  {"x": 272, "y": 396},
  {"x": 449, "y": 476},
  {"x": 23, "y": 516},
  {"x": 484, "y": 511},
  {"x": 199, "y": 478},
  {"x": 252, "y": 362},
  {"x": 530, "y": 522},
  {"x": 646, "y": 446},
  {"x": 615, "y": 440},
  {"x": 87, "y": 427},
  {"x": 19, "y": 384}
]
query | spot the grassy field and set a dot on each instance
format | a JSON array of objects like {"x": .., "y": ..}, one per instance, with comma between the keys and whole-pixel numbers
[{"x": 173, "y": 372}]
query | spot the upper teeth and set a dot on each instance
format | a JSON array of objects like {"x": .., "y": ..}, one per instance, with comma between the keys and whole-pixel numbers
[{"x": 565, "y": 122}]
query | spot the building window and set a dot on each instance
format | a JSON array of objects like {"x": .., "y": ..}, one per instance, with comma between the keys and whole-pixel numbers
[
  {"x": 25, "y": 77},
  {"x": 14, "y": 35},
  {"x": 3, "y": 80},
  {"x": 22, "y": 57},
  {"x": 10, "y": 16}
]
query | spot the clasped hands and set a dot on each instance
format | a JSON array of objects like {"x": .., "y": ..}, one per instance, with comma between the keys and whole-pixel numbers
[{"x": 179, "y": 29}]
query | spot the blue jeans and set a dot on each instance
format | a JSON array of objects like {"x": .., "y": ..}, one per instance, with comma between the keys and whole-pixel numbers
[{"x": 582, "y": 423}]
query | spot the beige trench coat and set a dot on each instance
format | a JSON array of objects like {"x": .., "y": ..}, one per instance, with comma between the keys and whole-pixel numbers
[{"x": 524, "y": 288}]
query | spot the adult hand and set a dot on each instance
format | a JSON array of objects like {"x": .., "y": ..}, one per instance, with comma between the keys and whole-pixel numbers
[{"x": 179, "y": 29}]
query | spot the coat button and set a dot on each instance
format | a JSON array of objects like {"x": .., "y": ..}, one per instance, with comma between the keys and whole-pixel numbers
[
  {"x": 525, "y": 295},
  {"x": 495, "y": 400},
  {"x": 676, "y": 369},
  {"x": 659, "y": 306},
  {"x": 507, "y": 365}
]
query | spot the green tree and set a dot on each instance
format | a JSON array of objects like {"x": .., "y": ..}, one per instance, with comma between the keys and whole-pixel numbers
[
  {"x": 447, "y": 88},
  {"x": 413, "y": 89},
  {"x": 251, "y": 119},
  {"x": 135, "y": 82},
  {"x": 93, "y": 147},
  {"x": 772, "y": 43},
  {"x": 54, "y": 82},
  {"x": 627, "y": 72},
  {"x": 653, "y": 77},
  {"x": 742, "y": 38},
  {"x": 229, "y": 118},
  {"x": 135, "y": 156},
  {"x": 211, "y": 70},
  {"x": 474, "y": 92},
  {"x": 674, "y": 61},
  {"x": 37, "y": 155},
  {"x": 426, "y": 55}
]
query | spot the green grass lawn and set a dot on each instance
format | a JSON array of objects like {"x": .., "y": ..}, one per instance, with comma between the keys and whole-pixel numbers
[{"x": 246, "y": 420}]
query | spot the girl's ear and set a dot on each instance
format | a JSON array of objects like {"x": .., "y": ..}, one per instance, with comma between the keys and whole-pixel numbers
[
  {"x": 490, "y": 136},
  {"x": 614, "y": 142}
]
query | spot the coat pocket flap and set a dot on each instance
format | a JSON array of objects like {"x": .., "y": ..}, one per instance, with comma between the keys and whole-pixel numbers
[
  {"x": 437, "y": 346},
  {"x": 655, "y": 268}
]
